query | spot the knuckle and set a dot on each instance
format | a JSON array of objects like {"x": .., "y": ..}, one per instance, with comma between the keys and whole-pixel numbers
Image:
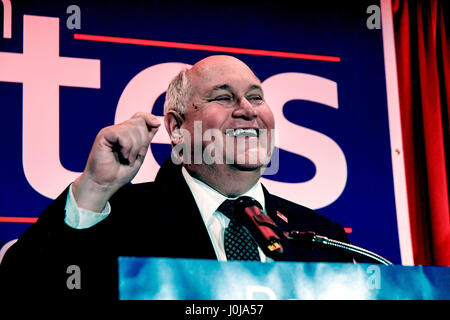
[
  {"x": 106, "y": 131},
  {"x": 139, "y": 114},
  {"x": 136, "y": 122},
  {"x": 146, "y": 141}
]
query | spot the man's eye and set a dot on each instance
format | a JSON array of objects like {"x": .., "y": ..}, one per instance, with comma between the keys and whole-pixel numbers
[
  {"x": 255, "y": 98},
  {"x": 222, "y": 98}
]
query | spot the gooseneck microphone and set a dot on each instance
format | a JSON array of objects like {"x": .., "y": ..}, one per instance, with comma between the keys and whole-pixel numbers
[
  {"x": 310, "y": 238},
  {"x": 271, "y": 239}
]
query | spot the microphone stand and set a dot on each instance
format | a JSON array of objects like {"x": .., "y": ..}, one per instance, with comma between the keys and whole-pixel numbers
[{"x": 311, "y": 238}]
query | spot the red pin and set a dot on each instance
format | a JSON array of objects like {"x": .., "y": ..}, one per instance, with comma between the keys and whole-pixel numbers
[{"x": 282, "y": 216}]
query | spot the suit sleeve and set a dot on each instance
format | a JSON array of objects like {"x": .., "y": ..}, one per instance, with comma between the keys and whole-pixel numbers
[{"x": 37, "y": 264}]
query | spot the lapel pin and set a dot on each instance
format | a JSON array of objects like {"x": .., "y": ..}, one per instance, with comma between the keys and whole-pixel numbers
[{"x": 282, "y": 216}]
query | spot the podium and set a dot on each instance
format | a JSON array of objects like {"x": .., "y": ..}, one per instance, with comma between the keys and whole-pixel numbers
[{"x": 195, "y": 279}]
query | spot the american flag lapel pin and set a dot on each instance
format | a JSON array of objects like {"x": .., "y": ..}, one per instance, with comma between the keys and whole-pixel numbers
[{"x": 282, "y": 216}]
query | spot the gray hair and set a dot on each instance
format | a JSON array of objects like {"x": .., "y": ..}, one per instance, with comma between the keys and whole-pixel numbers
[{"x": 178, "y": 93}]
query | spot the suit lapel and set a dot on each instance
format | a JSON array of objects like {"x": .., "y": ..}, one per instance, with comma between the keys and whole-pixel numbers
[
  {"x": 279, "y": 216},
  {"x": 282, "y": 219},
  {"x": 192, "y": 236}
]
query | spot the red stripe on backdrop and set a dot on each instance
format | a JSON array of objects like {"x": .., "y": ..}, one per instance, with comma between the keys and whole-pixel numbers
[
  {"x": 204, "y": 47},
  {"x": 18, "y": 219}
]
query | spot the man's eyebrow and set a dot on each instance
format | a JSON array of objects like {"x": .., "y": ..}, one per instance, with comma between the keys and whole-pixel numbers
[
  {"x": 220, "y": 87},
  {"x": 255, "y": 87},
  {"x": 227, "y": 87}
]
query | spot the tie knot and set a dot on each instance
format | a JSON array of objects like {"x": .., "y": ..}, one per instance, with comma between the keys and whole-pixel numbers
[
  {"x": 230, "y": 207},
  {"x": 227, "y": 208}
]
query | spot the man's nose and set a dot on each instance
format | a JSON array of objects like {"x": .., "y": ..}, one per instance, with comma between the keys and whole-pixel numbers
[{"x": 244, "y": 109}]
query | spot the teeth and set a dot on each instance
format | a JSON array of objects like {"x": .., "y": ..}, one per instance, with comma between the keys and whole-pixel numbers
[{"x": 242, "y": 132}]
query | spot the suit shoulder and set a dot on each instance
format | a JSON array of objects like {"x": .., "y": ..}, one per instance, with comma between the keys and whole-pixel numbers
[{"x": 287, "y": 207}]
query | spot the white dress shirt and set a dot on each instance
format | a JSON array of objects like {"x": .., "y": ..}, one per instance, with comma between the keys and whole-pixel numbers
[
  {"x": 79, "y": 218},
  {"x": 206, "y": 198}
]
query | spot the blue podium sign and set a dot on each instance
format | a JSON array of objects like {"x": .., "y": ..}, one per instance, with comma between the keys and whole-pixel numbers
[{"x": 194, "y": 279}]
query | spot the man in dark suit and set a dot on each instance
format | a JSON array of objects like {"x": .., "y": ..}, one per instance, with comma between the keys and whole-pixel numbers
[{"x": 182, "y": 213}]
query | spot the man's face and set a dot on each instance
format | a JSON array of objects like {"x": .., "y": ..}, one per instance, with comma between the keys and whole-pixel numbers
[{"x": 228, "y": 104}]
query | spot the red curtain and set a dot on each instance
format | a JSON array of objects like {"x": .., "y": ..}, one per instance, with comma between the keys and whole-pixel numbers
[{"x": 422, "y": 36}]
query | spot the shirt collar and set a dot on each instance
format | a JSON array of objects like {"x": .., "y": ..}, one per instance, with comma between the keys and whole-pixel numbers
[{"x": 208, "y": 199}]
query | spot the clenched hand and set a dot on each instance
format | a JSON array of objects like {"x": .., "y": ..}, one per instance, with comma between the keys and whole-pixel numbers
[{"x": 115, "y": 158}]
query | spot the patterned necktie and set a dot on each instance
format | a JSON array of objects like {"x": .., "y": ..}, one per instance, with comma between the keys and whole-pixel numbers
[{"x": 239, "y": 244}]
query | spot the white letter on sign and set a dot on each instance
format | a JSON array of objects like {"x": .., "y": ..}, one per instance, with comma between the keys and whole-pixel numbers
[
  {"x": 42, "y": 71},
  {"x": 331, "y": 167}
]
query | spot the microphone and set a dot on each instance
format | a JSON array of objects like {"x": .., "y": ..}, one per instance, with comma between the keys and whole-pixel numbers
[
  {"x": 270, "y": 238},
  {"x": 310, "y": 238},
  {"x": 261, "y": 226}
]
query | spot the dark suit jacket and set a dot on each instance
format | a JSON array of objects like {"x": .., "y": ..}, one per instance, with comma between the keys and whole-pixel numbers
[{"x": 158, "y": 219}]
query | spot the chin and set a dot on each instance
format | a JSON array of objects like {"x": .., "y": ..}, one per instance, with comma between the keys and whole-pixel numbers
[
  {"x": 246, "y": 167},
  {"x": 248, "y": 159}
]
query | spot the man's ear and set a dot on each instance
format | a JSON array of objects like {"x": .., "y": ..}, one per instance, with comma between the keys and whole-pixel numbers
[{"x": 173, "y": 122}]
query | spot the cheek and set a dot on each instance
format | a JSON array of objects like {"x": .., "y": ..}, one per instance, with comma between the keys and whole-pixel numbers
[
  {"x": 214, "y": 118},
  {"x": 267, "y": 117}
]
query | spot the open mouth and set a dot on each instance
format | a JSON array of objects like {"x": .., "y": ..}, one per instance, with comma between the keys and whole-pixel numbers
[{"x": 242, "y": 132}]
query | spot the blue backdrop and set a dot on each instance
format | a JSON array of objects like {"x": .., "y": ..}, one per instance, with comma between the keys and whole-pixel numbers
[{"x": 359, "y": 126}]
